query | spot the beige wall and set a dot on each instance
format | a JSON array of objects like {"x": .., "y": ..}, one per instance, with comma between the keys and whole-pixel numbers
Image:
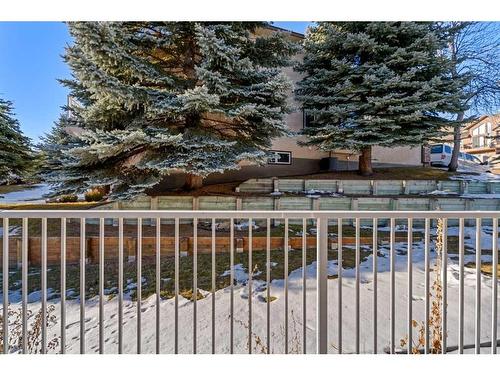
[
  {"x": 397, "y": 155},
  {"x": 295, "y": 122}
]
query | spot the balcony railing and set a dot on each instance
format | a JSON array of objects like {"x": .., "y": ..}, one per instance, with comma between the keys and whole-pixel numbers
[{"x": 359, "y": 285}]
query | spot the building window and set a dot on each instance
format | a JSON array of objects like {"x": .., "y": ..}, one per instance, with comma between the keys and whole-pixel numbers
[
  {"x": 308, "y": 119},
  {"x": 481, "y": 136},
  {"x": 280, "y": 157}
]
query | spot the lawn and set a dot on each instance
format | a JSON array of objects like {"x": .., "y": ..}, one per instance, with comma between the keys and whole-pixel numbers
[{"x": 204, "y": 273}]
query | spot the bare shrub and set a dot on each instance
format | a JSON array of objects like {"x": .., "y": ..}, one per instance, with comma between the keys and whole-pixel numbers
[
  {"x": 436, "y": 297},
  {"x": 295, "y": 342},
  {"x": 34, "y": 332}
]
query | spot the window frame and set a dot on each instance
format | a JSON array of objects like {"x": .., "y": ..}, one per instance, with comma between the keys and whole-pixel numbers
[
  {"x": 304, "y": 119},
  {"x": 289, "y": 153}
]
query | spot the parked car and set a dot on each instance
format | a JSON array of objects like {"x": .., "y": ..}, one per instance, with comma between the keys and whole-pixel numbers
[{"x": 441, "y": 157}]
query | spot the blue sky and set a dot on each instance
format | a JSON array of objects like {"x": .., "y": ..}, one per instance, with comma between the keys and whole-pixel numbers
[{"x": 30, "y": 65}]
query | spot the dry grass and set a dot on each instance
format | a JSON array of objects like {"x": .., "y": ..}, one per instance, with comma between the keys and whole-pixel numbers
[
  {"x": 294, "y": 337},
  {"x": 486, "y": 267},
  {"x": 49, "y": 206},
  {"x": 436, "y": 298},
  {"x": 34, "y": 331}
]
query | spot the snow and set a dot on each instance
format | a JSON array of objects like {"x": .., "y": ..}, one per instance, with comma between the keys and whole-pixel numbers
[
  {"x": 240, "y": 274},
  {"x": 481, "y": 196},
  {"x": 241, "y": 301},
  {"x": 33, "y": 193},
  {"x": 439, "y": 192},
  {"x": 485, "y": 176},
  {"x": 244, "y": 225},
  {"x": 13, "y": 231}
]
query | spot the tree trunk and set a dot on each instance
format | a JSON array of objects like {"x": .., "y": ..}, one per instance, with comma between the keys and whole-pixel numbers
[
  {"x": 457, "y": 136},
  {"x": 193, "y": 182},
  {"x": 365, "y": 162}
]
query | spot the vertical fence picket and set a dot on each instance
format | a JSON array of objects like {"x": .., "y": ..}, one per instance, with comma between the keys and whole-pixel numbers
[
  {"x": 25, "y": 285},
  {"x": 357, "y": 260},
  {"x": 494, "y": 288},
  {"x": 101, "y": 285},
  {"x": 120, "y": 285},
  {"x": 410, "y": 285},
  {"x": 461, "y": 286},
  {"x": 195, "y": 285},
  {"x": 392, "y": 299},
  {"x": 478, "y": 288},
  {"x": 304, "y": 285},
  {"x": 43, "y": 342},
  {"x": 444, "y": 280},
  {"x": 231, "y": 301},
  {"x": 213, "y": 285},
  {"x": 250, "y": 276},
  {"x": 158, "y": 282},
  {"x": 339, "y": 280},
  {"x": 83, "y": 260},
  {"x": 5, "y": 286},
  {"x": 285, "y": 275},
  {"x": 427, "y": 245},
  {"x": 322, "y": 285},
  {"x": 139, "y": 285},
  {"x": 268, "y": 286},
  {"x": 63, "y": 285},
  {"x": 176, "y": 287},
  {"x": 375, "y": 277}
]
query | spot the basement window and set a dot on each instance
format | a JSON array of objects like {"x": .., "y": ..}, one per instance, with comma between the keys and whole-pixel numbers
[{"x": 280, "y": 157}]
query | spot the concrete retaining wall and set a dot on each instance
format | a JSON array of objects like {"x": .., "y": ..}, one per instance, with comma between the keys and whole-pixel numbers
[{"x": 369, "y": 187}]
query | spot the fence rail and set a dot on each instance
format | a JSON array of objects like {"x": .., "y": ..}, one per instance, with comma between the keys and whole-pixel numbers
[{"x": 326, "y": 299}]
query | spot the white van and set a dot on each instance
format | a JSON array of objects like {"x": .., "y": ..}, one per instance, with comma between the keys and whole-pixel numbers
[{"x": 441, "y": 157}]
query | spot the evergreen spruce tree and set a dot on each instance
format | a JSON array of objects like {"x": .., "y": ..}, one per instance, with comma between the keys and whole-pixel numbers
[
  {"x": 16, "y": 156},
  {"x": 158, "y": 98},
  {"x": 375, "y": 83},
  {"x": 55, "y": 156}
]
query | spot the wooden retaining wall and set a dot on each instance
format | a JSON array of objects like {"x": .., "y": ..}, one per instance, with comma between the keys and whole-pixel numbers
[{"x": 148, "y": 247}]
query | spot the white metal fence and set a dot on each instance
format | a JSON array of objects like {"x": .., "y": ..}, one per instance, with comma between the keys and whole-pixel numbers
[{"x": 324, "y": 302}]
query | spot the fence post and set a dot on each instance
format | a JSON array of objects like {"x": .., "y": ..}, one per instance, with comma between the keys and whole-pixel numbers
[
  {"x": 465, "y": 187},
  {"x": 154, "y": 207},
  {"x": 114, "y": 206},
  {"x": 277, "y": 207},
  {"x": 276, "y": 185},
  {"x": 19, "y": 262},
  {"x": 131, "y": 249},
  {"x": 322, "y": 286}
]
